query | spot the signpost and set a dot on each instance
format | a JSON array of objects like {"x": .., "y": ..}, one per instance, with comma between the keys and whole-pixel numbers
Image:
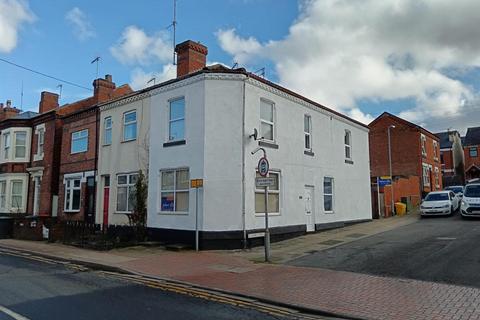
[
  {"x": 265, "y": 182},
  {"x": 196, "y": 183}
]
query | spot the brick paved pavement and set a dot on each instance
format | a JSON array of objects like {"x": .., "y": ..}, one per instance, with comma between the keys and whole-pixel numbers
[{"x": 345, "y": 293}]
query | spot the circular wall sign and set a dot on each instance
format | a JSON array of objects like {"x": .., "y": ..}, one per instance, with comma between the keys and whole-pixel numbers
[{"x": 263, "y": 167}]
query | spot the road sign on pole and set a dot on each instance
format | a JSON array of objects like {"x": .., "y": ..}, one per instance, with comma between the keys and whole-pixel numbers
[
  {"x": 196, "y": 183},
  {"x": 263, "y": 166}
]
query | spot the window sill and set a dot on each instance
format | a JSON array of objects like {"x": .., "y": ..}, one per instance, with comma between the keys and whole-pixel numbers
[
  {"x": 78, "y": 152},
  {"x": 174, "y": 143},
  {"x": 172, "y": 213},
  {"x": 122, "y": 212},
  {"x": 308, "y": 153},
  {"x": 71, "y": 211},
  {"x": 106, "y": 145},
  {"x": 348, "y": 161},
  {"x": 269, "y": 214},
  {"x": 268, "y": 144},
  {"x": 329, "y": 212},
  {"x": 129, "y": 140}
]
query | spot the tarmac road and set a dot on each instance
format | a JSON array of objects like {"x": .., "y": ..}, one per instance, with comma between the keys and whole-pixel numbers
[
  {"x": 33, "y": 290},
  {"x": 439, "y": 249}
]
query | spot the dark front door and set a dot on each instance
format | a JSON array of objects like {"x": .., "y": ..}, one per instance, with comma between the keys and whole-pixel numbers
[{"x": 90, "y": 200}]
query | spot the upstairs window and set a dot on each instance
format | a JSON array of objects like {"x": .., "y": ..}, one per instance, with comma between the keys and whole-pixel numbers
[
  {"x": 435, "y": 150},
  {"x": 20, "y": 144},
  {"x": 130, "y": 126},
  {"x": 176, "y": 120},
  {"x": 437, "y": 178},
  {"x": 6, "y": 145},
  {"x": 79, "y": 141},
  {"x": 107, "y": 134},
  {"x": 473, "y": 152},
  {"x": 41, "y": 141},
  {"x": 423, "y": 141},
  {"x": 348, "y": 145},
  {"x": 267, "y": 121},
  {"x": 307, "y": 129}
]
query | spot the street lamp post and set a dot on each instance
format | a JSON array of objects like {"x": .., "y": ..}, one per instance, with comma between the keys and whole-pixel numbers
[{"x": 390, "y": 164}]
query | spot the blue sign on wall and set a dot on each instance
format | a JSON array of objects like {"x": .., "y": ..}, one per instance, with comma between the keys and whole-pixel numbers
[{"x": 384, "y": 181}]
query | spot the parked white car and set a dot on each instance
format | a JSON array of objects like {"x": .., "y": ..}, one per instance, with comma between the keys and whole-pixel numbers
[
  {"x": 458, "y": 190},
  {"x": 471, "y": 200},
  {"x": 439, "y": 203}
]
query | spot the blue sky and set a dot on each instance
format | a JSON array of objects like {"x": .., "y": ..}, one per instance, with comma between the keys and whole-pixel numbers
[{"x": 419, "y": 60}]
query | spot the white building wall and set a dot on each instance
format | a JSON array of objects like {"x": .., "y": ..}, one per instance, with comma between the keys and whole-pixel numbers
[
  {"x": 189, "y": 155},
  {"x": 120, "y": 156},
  {"x": 351, "y": 181}
]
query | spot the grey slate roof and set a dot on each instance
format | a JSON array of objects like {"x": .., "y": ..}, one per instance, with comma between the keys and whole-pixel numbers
[
  {"x": 445, "y": 142},
  {"x": 25, "y": 115},
  {"x": 472, "y": 137}
]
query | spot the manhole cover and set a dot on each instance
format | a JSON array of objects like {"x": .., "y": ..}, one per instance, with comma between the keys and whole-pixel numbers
[
  {"x": 331, "y": 242},
  {"x": 356, "y": 235}
]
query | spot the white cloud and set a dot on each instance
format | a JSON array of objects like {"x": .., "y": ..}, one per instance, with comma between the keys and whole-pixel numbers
[
  {"x": 82, "y": 28},
  {"x": 136, "y": 47},
  {"x": 338, "y": 52},
  {"x": 13, "y": 14},
  {"x": 140, "y": 78}
]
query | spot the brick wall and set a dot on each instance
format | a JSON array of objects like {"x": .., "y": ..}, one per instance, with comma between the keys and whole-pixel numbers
[
  {"x": 79, "y": 162},
  {"x": 447, "y": 163},
  {"x": 469, "y": 161}
]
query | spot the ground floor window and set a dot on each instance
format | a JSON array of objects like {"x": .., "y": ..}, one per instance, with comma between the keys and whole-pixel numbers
[
  {"x": 426, "y": 175},
  {"x": 126, "y": 192},
  {"x": 3, "y": 194},
  {"x": 174, "y": 190},
  {"x": 328, "y": 194},
  {"x": 72, "y": 194},
  {"x": 17, "y": 196},
  {"x": 273, "y": 195}
]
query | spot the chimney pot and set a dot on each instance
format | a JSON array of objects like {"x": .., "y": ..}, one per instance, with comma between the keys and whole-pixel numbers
[
  {"x": 108, "y": 77},
  {"x": 9, "y": 103},
  {"x": 191, "y": 57}
]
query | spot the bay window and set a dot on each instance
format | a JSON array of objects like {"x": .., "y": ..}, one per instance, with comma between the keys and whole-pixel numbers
[
  {"x": 17, "y": 196},
  {"x": 20, "y": 144}
]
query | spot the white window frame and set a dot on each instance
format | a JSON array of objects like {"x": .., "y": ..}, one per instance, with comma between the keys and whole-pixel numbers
[
  {"x": 37, "y": 187},
  {"x": 21, "y": 195},
  {"x": 78, "y": 138},
  {"x": 170, "y": 120},
  {"x": 72, "y": 188},
  {"x": 349, "y": 145},
  {"x": 174, "y": 191},
  {"x": 423, "y": 142},
  {"x": 7, "y": 144},
  {"x": 426, "y": 175},
  {"x": 261, "y": 191},
  {"x": 332, "y": 180},
  {"x": 19, "y": 145},
  {"x": 437, "y": 178},
  {"x": 3, "y": 195},
  {"x": 470, "y": 151},
  {"x": 435, "y": 150},
  {"x": 129, "y": 186},
  {"x": 307, "y": 133},
  {"x": 107, "y": 129},
  {"x": 268, "y": 122},
  {"x": 130, "y": 123}
]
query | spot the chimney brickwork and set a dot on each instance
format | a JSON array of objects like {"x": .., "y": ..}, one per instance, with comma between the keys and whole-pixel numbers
[{"x": 191, "y": 57}]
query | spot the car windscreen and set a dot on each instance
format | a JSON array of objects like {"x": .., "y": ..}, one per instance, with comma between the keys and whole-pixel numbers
[
  {"x": 436, "y": 197},
  {"x": 472, "y": 191},
  {"x": 455, "y": 189}
]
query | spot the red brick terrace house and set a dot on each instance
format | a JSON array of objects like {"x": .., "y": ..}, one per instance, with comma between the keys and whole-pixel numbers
[
  {"x": 472, "y": 159},
  {"x": 451, "y": 157},
  {"x": 416, "y": 166},
  {"x": 78, "y": 158}
]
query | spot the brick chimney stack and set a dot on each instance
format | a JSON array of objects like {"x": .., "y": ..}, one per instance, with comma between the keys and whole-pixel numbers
[
  {"x": 48, "y": 101},
  {"x": 191, "y": 57},
  {"x": 8, "y": 111},
  {"x": 103, "y": 88}
]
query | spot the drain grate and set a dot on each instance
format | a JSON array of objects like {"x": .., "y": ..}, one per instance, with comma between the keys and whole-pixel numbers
[
  {"x": 356, "y": 235},
  {"x": 331, "y": 242}
]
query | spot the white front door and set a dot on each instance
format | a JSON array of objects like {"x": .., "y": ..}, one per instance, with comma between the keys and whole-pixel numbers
[{"x": 309, "y": 205}]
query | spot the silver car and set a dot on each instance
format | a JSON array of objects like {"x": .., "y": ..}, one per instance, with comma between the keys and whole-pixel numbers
[{"x": 438, "y": 203}]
